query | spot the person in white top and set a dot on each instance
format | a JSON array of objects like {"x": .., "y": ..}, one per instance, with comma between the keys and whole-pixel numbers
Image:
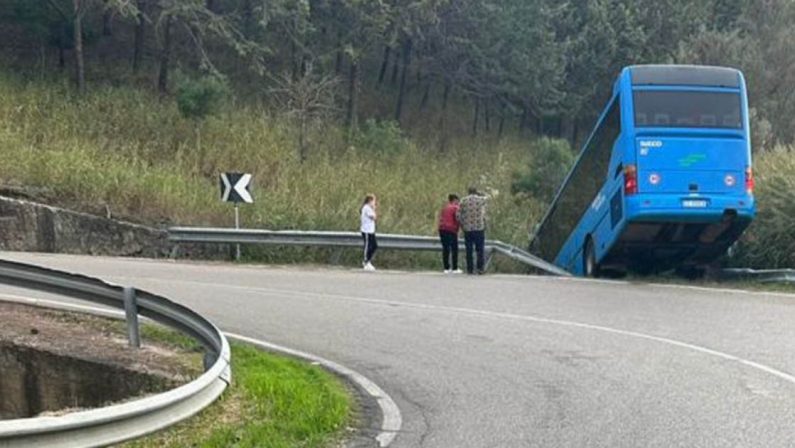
[{"x": 368, "y": 218}]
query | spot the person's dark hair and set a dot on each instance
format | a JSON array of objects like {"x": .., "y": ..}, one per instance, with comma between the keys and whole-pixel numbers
[
  {"x": 452, "y": 197},
  {"x": 367, "y": 199},
  {"x": 472, "y": 190}
]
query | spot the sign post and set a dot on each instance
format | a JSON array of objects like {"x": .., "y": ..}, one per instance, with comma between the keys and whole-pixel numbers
[
  {"x": 235, "y": 187},
  {"x": 237, "y": 227}
]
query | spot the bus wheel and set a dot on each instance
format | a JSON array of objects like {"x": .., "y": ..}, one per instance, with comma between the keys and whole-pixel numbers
[{"x": 591, "y": 267}]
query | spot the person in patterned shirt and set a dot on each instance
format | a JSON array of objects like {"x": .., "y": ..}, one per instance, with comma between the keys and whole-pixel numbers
[{"x": 472, "y": 216}]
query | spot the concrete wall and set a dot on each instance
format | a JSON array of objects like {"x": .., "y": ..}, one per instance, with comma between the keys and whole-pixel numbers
[
  {"x": 28, "y": 226},
  {"x": 32, "y": 382}
]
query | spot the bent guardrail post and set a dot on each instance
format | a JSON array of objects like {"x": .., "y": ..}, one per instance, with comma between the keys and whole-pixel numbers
[
  {"x": 760, "y": 275},
  {"x": 489, "y": 255},
  {"x": 131, "y": 314}
]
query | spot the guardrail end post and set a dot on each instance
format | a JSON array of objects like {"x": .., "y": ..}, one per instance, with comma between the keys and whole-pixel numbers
[
  {"x": 336, "y": 257},
  {"x": 131, "y": 312},
  {"x": 489, "y": 256},
  {"x": 174, "y": 252}
]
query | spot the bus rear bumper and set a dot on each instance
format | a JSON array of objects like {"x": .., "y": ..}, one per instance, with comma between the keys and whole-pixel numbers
[
  {"x": 660, "y": 230},
  {"x": 683, "y": 208}
]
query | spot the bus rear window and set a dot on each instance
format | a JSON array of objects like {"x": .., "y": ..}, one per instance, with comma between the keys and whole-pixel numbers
[{"x": 670, "y": 109}]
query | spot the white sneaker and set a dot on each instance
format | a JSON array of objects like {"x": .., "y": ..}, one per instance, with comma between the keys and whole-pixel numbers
[
  {"x": 457, "y": 271},
  {"x": 448, "y": 271},
  {"x": 369, "y": 267}
]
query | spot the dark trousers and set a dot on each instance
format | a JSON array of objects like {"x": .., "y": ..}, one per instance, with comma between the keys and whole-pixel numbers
[
  {"x": 476, "y": 240},
  {"x": 449, "y": 247},
  {"x": 370, "y": 245}
]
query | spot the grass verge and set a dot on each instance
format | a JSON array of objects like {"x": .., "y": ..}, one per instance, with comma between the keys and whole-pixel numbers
[
  {"x": 130, "y": 153},
  {"x": 273, "y": 402}
]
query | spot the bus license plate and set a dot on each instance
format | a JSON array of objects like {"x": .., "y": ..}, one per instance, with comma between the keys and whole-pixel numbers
[{"x": 694, "y": 203}]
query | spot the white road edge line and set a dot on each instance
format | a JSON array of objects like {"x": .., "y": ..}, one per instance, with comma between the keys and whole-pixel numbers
[
  {"x": 640, "y": 283},
  {"x": 392, "y": 419}
]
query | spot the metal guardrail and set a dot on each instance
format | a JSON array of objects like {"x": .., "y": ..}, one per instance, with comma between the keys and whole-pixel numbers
[
  {"x": 179, "y": 235},
  {"x": 760, "y": 275},
  {"x": 120, "y": 422}
]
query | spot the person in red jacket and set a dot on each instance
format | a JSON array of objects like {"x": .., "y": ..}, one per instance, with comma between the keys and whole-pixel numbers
[{"x": 448, "y": 233}]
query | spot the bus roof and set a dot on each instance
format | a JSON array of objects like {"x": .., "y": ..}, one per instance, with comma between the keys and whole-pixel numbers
[{"x": 685, "y": 75}]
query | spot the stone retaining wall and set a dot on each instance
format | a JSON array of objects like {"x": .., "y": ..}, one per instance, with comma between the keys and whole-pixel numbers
[{"x": 28, "y": 226}]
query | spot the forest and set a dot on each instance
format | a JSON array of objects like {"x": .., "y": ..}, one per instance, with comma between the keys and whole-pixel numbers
[{"x": 537, "y": 65}]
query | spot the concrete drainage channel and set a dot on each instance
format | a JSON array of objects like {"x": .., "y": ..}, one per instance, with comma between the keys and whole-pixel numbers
[
  {"x": 38, "y": 381},
  {"x": 132, "y": 419},
  {"x": 118, "y": 423}
]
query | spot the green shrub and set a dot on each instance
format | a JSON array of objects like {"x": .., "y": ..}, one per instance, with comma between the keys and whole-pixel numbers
[
  {"x": 381, "y": 137},
  {"x": 552, "y": 160},
  {"x": 770, "y": 240},
  {"x": 198, "y": 98}
]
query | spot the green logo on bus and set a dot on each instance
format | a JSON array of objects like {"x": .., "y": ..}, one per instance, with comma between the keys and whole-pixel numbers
[{"x": 692, "y": 159}]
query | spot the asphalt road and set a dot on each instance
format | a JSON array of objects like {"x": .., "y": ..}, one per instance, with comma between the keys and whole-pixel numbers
[{"x": 513, "y": 361}]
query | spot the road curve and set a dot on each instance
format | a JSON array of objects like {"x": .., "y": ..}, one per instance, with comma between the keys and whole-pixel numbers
[{"x": 514, "y": 361}]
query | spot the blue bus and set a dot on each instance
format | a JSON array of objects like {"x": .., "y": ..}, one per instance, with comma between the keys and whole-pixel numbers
[{"x": 663, "y": 182}]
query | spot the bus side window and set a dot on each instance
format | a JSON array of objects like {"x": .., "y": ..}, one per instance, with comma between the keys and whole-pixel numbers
[
  {"x": 709, "y": 120},
  {"x": 662, "y": 119},
  {"x": 641, "y": 119},
  {"x": 730, "y": 120}
]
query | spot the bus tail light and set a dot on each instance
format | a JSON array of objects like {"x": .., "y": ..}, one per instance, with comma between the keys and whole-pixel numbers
[
  {"x": 749, "y": 181},
  {"x": 630, "y": 180}
]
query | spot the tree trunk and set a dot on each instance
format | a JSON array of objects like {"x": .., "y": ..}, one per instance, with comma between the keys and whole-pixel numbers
[
  {"x": 395, "y": 62},
  {"x": 501, "y": 127},
  {"x": 107, "y": 20},
  {"x": 338, "y": 64},
  {"x": 42, "y": 56},
  {"x": 567, "y": 129},
  {"x": 199, "y": 149},
  {"x": 304, "y": 65},
  {"x": 446, "y": 95},
  {"x": 475, "y": 118},
  {"x": 80, "y": 71},
  {"x": 138, "y": 41},
  {"x": 62, "y": 45},
  {"x": 523, "y": 120},
  {"x": 487, "y": 114},
  {"x": 353, "y": 96},
  {"x": 294, "y": 60},
  {"x": 443, "y": 118},
  {"x": 61, "y": 57},
  {"x": 302, "y": 149},
  {"x": 402, "y": 92},
  {"x": 425, "y": 95},
  {"x": 384, "y": 64},
  {"x": 165, "y": 58},
  {"x": 248, "y": 18}
]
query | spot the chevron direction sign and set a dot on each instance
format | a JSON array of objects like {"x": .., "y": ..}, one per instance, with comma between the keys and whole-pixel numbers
[{"x": 235, "y": 188}]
